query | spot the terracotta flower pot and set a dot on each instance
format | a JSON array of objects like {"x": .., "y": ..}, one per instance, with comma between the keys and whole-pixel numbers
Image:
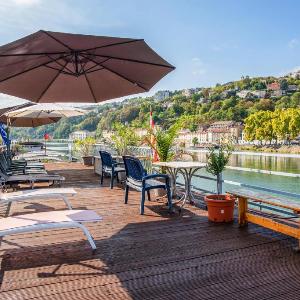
[
  {"x": 88, "y": 160},
  {"x": 220, "y": 208}
]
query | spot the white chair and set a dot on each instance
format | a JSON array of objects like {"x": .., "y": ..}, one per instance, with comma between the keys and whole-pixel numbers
[
  {"x": 38, "y": 194},
  {"x": 50, "y": 220}
]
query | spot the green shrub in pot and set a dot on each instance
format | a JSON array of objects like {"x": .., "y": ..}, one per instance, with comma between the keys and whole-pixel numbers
[{"x": 85, "y": 148}]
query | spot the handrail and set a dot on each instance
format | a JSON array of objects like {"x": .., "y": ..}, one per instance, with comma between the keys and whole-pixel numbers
[
  {"x": 280, "y": 192},
  {"x": 255, "y": 187}
]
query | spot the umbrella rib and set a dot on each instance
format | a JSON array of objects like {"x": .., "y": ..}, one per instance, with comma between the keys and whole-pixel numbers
[
  {"x": 33, "y": 54},
  {"x": 57, "y": 40},
  {"x": 118, "y": 74},
  {"x": 114, "y": 44},
  {"x": 50, "y": 83},
  {"x": 56, "y": 61},
  {"x": 30, "y": 69},
  {"x": 96, "y": 65},
  {"x": 63, "y": 52},
  {"x": 89, "y": 84},
  {"x": 135, "y": 61}
]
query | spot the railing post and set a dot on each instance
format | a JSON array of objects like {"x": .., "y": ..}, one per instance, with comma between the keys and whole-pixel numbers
[{"x": 70, "y": 150}]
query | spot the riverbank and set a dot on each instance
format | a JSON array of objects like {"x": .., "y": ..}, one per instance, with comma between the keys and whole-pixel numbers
[
  {"x": 253, "y": 153},
  {"x": 283, "y": 149}
]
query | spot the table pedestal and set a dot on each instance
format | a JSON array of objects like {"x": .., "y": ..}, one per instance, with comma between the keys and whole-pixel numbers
[{"x": 187, "y": 176}]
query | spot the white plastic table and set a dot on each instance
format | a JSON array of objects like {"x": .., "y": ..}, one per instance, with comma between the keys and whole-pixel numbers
[{"x": 187, "y": 169}]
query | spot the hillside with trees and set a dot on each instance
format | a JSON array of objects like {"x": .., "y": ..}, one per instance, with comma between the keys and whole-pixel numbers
[{"x": 235, "y": 101}]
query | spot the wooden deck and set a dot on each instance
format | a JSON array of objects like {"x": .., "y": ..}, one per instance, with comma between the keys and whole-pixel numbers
[{"x": 154, "y": 256}]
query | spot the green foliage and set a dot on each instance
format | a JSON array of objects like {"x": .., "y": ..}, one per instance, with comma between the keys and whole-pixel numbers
[
  {"x": 85, "y": 146},
  {"x": 217, "y": 158},
  {"x": 295, "y": 100},
  {"x": 195, "y": 141},
  {"x": 267, "y": 125},
  {"x": 123, "y": 137},
  {"x": 162, "y": 141}
]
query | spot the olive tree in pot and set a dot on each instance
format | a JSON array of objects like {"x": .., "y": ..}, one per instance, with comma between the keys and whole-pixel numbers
[
  {"x": 122, "y": 139},
  {"x": 86, "y": 149},
  {"x": 220, "y": 206}
]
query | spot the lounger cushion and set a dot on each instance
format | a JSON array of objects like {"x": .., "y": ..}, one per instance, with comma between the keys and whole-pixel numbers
[
  {"x": 36, "y": 193},
  {"x": 38, "y": 219}
]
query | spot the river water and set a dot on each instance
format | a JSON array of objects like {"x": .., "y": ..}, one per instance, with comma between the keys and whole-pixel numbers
[
  {"x": 286, "y": 182},
  {"x": 270, "y": 162}
]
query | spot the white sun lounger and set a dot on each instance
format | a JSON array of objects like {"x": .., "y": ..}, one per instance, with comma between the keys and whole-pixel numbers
[
  {"x": 7, "y": 179},
  {"x": 50, "y": 220},
  {"x": 39, "y": 194}
]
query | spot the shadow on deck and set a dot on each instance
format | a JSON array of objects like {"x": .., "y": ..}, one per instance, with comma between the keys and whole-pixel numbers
[{"x": 155, "y": 256}]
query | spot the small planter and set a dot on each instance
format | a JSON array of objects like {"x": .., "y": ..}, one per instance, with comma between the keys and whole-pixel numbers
[
  {"x": 88, "y": 160},
  {"x": 220, "y": 208}
]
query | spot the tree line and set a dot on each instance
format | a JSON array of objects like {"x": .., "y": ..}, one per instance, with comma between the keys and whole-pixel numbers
[{"x": 273, "y": 126}]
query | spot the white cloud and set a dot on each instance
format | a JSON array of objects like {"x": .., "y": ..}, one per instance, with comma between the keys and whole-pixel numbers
[
  {"x": 198, "y": 67},
  {"x": 26, "y": 2},
  {"x": 196, "y": 59},
  {"x": 21, "y": 17},
  {"x": 199, "y": 72},
  {"x": 224, "y": 46},
  {"x": 293, "y": 43}
]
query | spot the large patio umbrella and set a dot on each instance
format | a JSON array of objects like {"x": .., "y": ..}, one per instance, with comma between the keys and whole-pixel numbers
[
  {"x": 61, "y": 67},
  {"x": 7, "y": 109},
  {"x": 40, "y": 114}
]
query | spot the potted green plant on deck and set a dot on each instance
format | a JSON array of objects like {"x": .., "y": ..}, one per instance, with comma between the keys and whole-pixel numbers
[
  {"x": 220, "y": 206},
  {"x": 162, "y": 141},
  {"x": 123, "y": 138},
  {"x": 86, "y": 149}
]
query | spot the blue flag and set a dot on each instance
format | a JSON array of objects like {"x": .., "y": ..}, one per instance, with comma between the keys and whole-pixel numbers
[{"x": 4, "y": 136}]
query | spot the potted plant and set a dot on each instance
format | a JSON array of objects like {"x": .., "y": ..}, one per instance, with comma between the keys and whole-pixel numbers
[
  {"x": 86, "y": 148},
  {"x": 122, "y": 139},
  {"x": 220, "y": 207},
  {"x": 162, "y": 142}
]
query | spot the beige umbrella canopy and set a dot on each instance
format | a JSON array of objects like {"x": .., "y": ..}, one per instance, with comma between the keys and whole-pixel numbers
[
  {"x": 61, "y": 67},
  {"x": 27, "y": 122},
  {"x": 39, "y": 114}
]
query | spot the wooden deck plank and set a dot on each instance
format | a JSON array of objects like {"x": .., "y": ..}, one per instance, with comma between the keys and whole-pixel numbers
[{"x": 155, "y": 256}]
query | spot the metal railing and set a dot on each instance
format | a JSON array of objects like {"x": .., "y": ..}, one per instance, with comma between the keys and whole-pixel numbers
[
  {"x": 147, "y": 152},
  {"x": 246, "y": 185}
]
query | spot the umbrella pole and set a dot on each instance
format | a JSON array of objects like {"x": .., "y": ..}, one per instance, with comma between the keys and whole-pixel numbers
[{"x": 8, "y": 144}]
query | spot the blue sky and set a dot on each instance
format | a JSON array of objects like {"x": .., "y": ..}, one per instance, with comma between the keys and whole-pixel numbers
[{"x": 209, "y": 42}]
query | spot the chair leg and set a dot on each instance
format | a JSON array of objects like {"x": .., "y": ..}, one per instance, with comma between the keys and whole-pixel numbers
[
  {"x": 102, "y": 177},
  {"x": 149, "y": 195},
  {"x": 126, "y": 193},
  {"x": 88, "y": 236},
  {"x": 169, "y": 197},
  {"x": 142, "y": 202},
  {"x": 112, "y": 180}
]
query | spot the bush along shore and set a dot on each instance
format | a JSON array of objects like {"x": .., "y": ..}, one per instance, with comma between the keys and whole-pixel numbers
[{"x": 288, "y": 149}]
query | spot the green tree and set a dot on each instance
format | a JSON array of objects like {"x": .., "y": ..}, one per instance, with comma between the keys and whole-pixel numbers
[
  {"x": 295, "y": 100},
  {"x": 123, "y": 137},
  {"x": 195, "y": 141}
]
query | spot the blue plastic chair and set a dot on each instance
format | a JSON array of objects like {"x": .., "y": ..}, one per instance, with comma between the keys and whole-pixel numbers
[
  {"x": 137, "y": 178},
  {"x": 110, "y": 166}
]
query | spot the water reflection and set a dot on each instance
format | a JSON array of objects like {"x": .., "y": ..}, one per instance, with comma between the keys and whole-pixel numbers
[{"x": 272, "y": 163}]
